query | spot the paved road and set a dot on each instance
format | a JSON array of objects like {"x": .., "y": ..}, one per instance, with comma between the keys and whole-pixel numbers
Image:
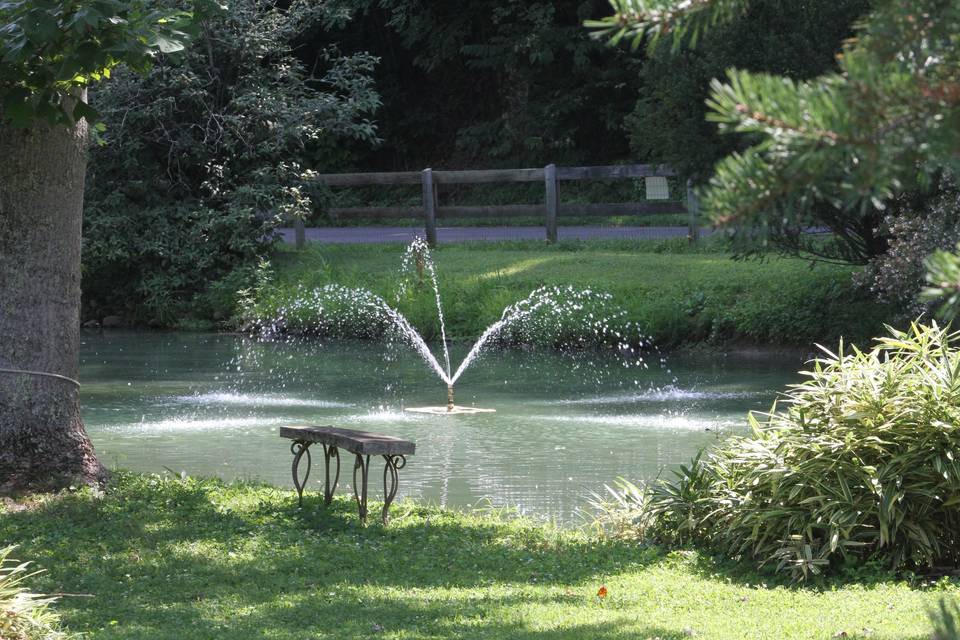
[{"x": 371, "y": 235}]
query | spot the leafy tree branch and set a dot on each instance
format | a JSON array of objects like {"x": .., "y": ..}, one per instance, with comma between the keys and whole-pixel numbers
[
  {"x": 50, "y": 51},
  {"x": 886, "y": 122}
]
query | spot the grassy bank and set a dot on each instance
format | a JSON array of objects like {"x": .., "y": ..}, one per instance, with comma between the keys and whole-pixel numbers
[
  {"x": 170, "y": 558},
  {"x": 676, "y": 294}
]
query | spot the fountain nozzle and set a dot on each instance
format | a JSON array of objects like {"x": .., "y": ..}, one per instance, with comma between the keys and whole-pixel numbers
[{"x": 449, "y": 397}]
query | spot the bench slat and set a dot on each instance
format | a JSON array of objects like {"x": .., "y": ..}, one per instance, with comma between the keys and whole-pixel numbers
[{"x": 364, "y": 443}]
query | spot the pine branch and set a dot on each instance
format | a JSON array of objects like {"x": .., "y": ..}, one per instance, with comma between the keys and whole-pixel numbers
[{"x": 652, "y": 20}]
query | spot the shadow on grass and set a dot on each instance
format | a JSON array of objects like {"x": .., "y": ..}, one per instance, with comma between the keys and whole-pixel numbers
[
  {"x": 748, "y": 573},
  {"x": 165, "y": 558}
]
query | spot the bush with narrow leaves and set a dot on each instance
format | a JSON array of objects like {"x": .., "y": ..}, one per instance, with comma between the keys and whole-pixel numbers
[
  {"x": 23, "y": 615},
  {"x": 859, "y": 462}
]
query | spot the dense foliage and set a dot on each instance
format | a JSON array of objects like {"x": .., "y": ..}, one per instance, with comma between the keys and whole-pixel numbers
[
  {"x": 861, "y": 463},
  {"x": 831, "y": 151},
  {"x": 204, "y": 155}
]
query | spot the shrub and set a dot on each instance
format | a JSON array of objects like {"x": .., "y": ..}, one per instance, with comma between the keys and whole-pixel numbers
[
  {"x": 23, "y": 615},
  {"x": 862, "y": 463},
  {"x": 160, "y": 264}
]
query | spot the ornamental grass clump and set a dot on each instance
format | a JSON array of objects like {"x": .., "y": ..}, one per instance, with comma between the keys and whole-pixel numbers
[
  {"x": 859, "y": 462},
  {"x": 23, "y": 615}
]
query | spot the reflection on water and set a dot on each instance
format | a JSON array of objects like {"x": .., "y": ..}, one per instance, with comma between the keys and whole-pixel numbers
[{"x": 213, "y": 404}]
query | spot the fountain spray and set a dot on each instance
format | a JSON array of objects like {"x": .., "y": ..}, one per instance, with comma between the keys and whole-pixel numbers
[{"x": 551, "y": 309}]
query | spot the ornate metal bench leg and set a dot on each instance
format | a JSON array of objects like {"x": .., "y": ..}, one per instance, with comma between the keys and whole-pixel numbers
[
  {"x": 360, "y": 489},
  {"x": 328, "y": 489},
  {"x": 391, "y": 470},
  {"x": 298, "y": 448}
]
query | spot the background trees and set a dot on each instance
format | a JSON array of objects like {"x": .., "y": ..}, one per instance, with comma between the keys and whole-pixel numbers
[
  {"x": 521, "y": 83},
  {"x": 206, "y": 152},
  {"x": 490, "y": 82}
]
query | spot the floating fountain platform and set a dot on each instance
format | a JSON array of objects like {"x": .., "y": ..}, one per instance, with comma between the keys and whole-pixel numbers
[{"x": 449, "y": 411}]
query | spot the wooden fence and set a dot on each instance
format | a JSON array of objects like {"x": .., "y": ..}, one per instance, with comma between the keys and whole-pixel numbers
[{"x": 551, "y": 209}]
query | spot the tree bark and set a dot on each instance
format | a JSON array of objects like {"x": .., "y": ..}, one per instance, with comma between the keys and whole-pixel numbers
[{"x": 42, "y": 440}]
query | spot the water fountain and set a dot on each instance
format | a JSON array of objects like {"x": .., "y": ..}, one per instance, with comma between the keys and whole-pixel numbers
[{"x": 551, "y": 311}]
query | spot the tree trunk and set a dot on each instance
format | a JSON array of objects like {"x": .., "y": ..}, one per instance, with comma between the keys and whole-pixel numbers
[{"x": 42, "y": 440}]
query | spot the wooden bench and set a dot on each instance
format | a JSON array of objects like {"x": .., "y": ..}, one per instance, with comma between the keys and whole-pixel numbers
[{"x": 362, "y": 445}]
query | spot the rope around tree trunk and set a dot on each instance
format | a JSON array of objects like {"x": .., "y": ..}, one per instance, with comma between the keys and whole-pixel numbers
[{"x": 40, "y": 373}]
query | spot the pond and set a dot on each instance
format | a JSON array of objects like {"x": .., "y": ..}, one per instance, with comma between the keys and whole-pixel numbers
[{"x": 212, "y": 405}]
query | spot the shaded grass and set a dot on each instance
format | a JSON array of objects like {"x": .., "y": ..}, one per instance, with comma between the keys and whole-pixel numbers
[
  {"x": 172, "y": 558},
  {"x": 677, "y": 294}
]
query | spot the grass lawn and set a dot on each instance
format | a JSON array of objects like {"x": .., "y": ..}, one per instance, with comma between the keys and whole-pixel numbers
[
  {"x": 181, "y": 559},
  {"x": 676, "y": 293}
]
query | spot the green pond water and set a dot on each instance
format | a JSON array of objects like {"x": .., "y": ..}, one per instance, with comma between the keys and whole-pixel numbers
[{"x": 213, "y": 404}]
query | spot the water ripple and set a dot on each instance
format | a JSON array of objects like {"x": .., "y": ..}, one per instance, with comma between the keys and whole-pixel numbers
[
  {"x": 193, "y": 423},
  {"x": 666, "y": 394},
  {"x": 663, "y": 421},
  {"x": 260, "y": 400}
]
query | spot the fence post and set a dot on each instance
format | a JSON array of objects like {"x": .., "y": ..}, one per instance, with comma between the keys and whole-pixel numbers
[
  {"x": 429, "y": 207},
  {"x": 693, "y": 213},
  {"x": 299, "y": 232},
  {"x": 550, "y": 178}
]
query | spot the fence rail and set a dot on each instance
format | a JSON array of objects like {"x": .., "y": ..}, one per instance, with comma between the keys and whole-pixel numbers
[{"x": 551, "y": 209}]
